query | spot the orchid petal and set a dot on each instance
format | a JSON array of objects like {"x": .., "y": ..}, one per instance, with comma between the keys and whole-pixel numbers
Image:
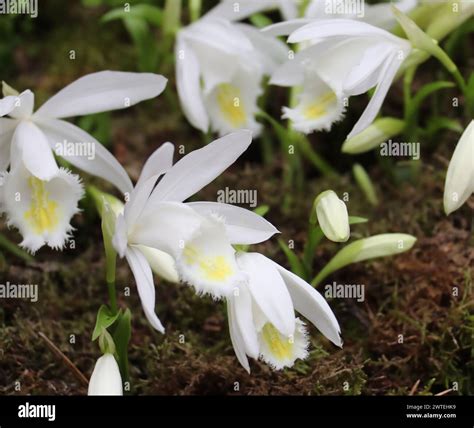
[
  {"x": 102, "y": 91},
  {"x": 145, "y": 285}
]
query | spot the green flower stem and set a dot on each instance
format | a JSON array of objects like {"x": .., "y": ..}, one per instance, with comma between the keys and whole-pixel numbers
[
  {"x": 108, "y": 226},
  {"x": 172, "y": 17},
  {"x": 318, "y": 162},
  {"x": 315, "y": 235},
  {"x": 195, "y": 7},
  {"x": 110, "y": 277}
]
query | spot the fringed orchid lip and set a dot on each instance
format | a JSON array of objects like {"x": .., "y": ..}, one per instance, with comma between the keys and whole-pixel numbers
[{"x": 41, "y": 209}]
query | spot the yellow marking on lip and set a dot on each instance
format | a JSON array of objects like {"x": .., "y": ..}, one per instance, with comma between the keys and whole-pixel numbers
[
  {"x": 230, "y": 103},
  {"x": 280, "y": 347},
  {"x": 43, "y": 213},
  {"x": 319, "y": 108},
  {"x": 212, "y": 268}
]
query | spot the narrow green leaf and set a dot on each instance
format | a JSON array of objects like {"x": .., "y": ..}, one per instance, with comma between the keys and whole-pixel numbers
[
  {"x": 261, "y": 210},
  {"x": 357, "y": 220},
  {"x": 14, "y": 249},
  {"x": 121, "y": 337},
  {"x": 365, "y": 183},
  {"x": 387, "y": 244},
  {"x": 147, "y": 12},
  {"x": 260, "y": 20},
  {"x": 295, "y": 263}
]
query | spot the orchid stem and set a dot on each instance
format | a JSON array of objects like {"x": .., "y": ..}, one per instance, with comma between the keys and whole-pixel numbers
[{"x": 195, "y": 7}]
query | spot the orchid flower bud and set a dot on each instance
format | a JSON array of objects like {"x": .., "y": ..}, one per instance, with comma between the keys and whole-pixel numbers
[
  {"x": 106, "y": 379},
  {"x": 460, "y": 177},
  {"x": 332, "y": 216}
]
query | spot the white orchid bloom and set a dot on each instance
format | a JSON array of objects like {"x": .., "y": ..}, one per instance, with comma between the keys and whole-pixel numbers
[
  {"x": 196, "y": 238},
  {"x": 345, "y": 58},
  {"x": 219, "y": 70},
  {"x": 379, "y": 15},
  {"x": 40, "y": 198},
  {"x": 40, "y": 209},
  {"x": 262, "y": 321},
  {"x": 459, "y": 184},
  {"x": 106, "y": 379}
]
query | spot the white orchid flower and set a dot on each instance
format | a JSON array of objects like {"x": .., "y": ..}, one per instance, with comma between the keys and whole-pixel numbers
[
  {"x": 40, "y": 198},
  {"x": 379, "y": 15},
  {"x": 262, "y": 321},
  {"x": 197, "y": 237},
  {"x": 459, "y": 184},
  {"x": 106, "y": 379},
  {"x": 40, "y": 209},
  {"x": 219, "y": 70},
  {"x": 345, "y": 58}
]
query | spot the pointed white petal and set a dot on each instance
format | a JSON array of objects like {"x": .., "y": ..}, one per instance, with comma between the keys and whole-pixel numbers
[
  {"x": 160, "y": 161},
  {"x": 138, "y": 199},
  {"x": 459, "y": 183},
  {"x": 286, "y": 27},
  {"x": 242, "y": 226},
  {"x": 102, "y": 91},
  {"x": 365, "y": 74},
  {"x": 242, "y": 301},
  {"x": 145, "y": 285},
  {"x": 387, "y": 75},
  {"x": 7, "y": 104},
  {"x": 236, "y": 337},
  {"x": 200, "y": 167},
  {"x": 323, "y": 28},
  {"x": 44, "y": 211},
  {"x": 31, "y": 146},
  {"x": 102, "y": 164},
  {"x": 188, "y": 84},
  {"x": 7, "y": 129},
  {"x": 269, "y": 291},
  {"x": 156, "y": 165},
  {"x": 309, "y": 303},
  {"x": 24, "y": 105},
  {"x": 106, "y": 379}
]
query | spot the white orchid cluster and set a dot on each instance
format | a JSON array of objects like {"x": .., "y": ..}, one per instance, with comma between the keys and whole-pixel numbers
[
  {"x": 155, "y": 229},
  {"x": 221, "y": 67},
  {"x": 331, "y": 56}
]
